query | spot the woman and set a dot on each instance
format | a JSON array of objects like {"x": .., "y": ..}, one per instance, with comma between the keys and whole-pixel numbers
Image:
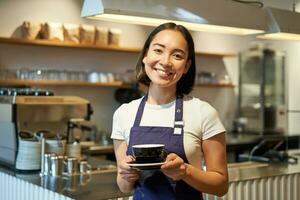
[{"x": 167, "y": 66}]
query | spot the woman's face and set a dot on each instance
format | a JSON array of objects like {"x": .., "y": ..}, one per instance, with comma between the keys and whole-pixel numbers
[{"x": 166, "y": 59}]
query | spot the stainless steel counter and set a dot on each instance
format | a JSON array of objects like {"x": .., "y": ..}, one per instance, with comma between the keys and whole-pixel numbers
[
  {"x": 253, "y": 170},
  {"x": 102, "y": 184},
  {"x": 262, "y": 181}
]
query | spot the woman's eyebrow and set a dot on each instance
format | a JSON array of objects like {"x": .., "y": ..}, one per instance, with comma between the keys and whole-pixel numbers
[
  {"x": 163, "y": 46},
  {"x": 158, "y": 44}
]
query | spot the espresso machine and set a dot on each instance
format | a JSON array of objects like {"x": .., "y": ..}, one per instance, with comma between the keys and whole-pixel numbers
[{"x": 21, "y": 116}]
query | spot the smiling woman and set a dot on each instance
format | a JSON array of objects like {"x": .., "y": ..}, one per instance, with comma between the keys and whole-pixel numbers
[
  {"x": 173, "y": 45},
  {"x": 188, "y": 127},
  {"x": 166, "y": 60}
]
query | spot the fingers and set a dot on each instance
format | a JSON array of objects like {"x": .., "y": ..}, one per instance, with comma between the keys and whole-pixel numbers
[
  {"x": 174, "y": 167},
  {"x": 172, "y": 161},
  {"x": 175, "y": 173},
  {"x": 129, "y": 159},
  {"x": 130, "y": 177},
  {"x": 171, "y": 156},
  {"x": 124, "y": 167},
  {"x": 128, "y": 171},
  {"x": 128, "y": 174},
  {"x": 124, "y": 164}
]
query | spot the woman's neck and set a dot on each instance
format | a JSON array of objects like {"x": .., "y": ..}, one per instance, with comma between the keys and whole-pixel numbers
[{"x": 160, "y": 96}]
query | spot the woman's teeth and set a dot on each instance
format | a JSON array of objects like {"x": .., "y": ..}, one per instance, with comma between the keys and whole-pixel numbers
[{"x": 163, "y": 72}]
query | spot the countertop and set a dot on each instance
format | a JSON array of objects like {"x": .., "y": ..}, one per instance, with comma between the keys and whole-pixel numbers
[
  {"x": 97, "y": 186},
  {"x": 253, "y": 170},
  {"x": 234, "y": 142}
]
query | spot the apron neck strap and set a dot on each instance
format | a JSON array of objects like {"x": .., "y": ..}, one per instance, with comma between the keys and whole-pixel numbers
[
  {"x": 178, "y": 111},
  {"x": 178, "y": 123},
  {"x": 140, "y": 111}
]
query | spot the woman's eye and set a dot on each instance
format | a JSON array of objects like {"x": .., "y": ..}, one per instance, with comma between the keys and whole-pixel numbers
[
  {"x": 178, "y": 56},
  {"x": 157, "y": 50}
]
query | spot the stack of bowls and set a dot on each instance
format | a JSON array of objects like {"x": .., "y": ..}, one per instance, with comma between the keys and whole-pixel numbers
[{"x": 29, "y": 152}]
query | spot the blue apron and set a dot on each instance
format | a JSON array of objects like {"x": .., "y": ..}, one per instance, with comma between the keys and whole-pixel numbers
[{"x": 153, "y": 184}]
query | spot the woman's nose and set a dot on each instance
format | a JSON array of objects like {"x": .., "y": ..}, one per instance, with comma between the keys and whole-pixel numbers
[{"x": 165, "y": 61}]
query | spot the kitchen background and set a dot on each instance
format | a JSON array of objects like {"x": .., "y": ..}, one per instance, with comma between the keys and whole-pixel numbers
[{"x": 224, "y": 99}]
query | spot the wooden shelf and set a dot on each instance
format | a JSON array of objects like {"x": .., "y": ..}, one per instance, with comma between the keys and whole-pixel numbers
[
  {"x": 60, "y": 83},
  {"x": 107, "y": 149},
  {"x": 48, "y": 43},
  {"x": 215, "y": 85},
  {"x": 86, "y": 84}
]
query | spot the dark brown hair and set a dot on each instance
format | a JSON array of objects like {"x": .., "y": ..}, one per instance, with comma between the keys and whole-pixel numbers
[{"x": 186, "y": 82}]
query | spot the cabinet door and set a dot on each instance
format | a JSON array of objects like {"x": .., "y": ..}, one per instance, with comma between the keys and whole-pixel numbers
[
  {"x": 293, "y": 123},
  {"x": 293, "y": 84}
]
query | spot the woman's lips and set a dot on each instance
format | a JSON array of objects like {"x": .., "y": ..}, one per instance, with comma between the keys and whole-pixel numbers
[{"x": 163, "y": 72}]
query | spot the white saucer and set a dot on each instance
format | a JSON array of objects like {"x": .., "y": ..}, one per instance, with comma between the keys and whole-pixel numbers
[{"x": 146, "y": 166}]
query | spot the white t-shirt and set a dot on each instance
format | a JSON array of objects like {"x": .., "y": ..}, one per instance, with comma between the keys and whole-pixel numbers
[{"x": 201, "y": 122}]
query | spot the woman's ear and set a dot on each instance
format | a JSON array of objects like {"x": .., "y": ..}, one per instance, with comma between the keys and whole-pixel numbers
[
  {"x": 145, "y": 55},
  {"x": 187, "y": 66}
]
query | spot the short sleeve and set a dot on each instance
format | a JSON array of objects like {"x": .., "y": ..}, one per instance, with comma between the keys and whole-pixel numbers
[
  {"x": 117, "y": 129},
  {"x": 211, "y": 123}
]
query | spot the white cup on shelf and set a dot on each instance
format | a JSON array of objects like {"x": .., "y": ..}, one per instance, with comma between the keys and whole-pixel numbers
[
  {"x": 103, "y": 77},
  {"x": 93, "y": 77}
]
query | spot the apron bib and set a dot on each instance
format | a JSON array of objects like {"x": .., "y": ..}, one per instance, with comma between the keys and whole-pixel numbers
[{"x": 153, "y": 184}]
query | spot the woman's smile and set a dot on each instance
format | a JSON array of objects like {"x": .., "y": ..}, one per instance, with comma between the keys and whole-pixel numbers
[{"x": 163, "y": 73}]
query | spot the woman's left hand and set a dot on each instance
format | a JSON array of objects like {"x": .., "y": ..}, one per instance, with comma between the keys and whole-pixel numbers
[{"x": 175, "y": 168}]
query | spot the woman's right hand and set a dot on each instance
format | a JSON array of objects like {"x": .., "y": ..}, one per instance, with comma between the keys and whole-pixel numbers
[{"x": 126, "y": 172}]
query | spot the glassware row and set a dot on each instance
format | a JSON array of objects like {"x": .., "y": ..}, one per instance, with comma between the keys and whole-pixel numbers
[{"x": 66, "y": 75}]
